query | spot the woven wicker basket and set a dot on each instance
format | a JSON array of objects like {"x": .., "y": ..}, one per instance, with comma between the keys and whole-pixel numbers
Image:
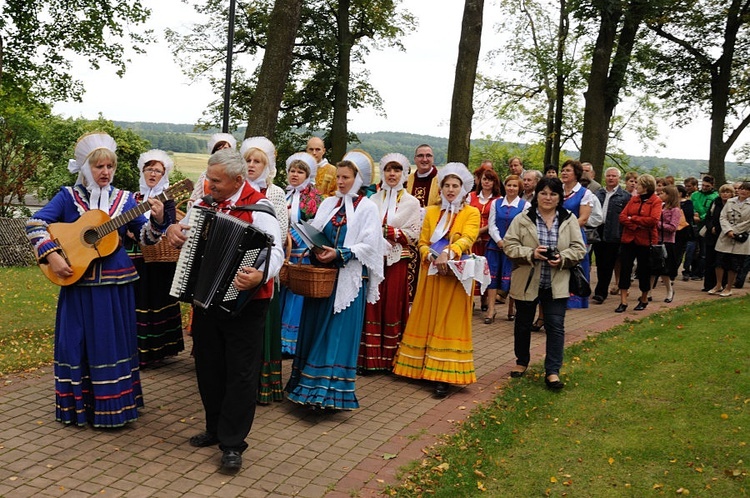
[
  {"x": 284, "y": 274},
  {"x": 309, "y": 280},
  {"x": 162, "y": 251}
]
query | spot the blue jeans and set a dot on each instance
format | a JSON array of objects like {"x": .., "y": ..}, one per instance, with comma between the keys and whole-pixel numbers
[{"x": 554, "y": 327}]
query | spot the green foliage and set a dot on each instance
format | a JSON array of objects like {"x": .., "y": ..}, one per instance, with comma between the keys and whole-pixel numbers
[
  {"x": 525, "y": 89},
  {"x": 380, "y": 143},
  {"x": 308, "y": 98},
  {"x": 696, "y": 58},
  {"x": 61, "y": 139},
  {"x": 39, "y": 37},
  {"x": 21, "y": 145},
  {"x": 656, "y": 407}
]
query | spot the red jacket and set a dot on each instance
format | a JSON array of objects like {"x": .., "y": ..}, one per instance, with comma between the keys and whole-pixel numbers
[{"x": 639, "y": 220}]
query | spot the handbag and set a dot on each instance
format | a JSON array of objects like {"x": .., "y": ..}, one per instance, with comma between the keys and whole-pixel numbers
[
  {"x": 657, "y": 259},
  {"x": 657, "y": 255},
  {"x": 741, "y": 237},
  {"x": 592, "y": 234},
  {"x": 579, "y": 285}
]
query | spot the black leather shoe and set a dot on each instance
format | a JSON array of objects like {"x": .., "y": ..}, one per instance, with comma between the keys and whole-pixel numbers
[
  {"x": 641, "y": 305},
  {"x": 556, "y": 384},
  {"x": 441, "y": 390},
  {"x": 597, "y": 299},
  {"x": 231, "y": 460},
  {"x": 518, "y": 371},
  {"x": 621, "y": 308},
  {"x": 204, "y": 439}
]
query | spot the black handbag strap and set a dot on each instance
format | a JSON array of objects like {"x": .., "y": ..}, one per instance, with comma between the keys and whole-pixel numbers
[{"x": 661, "y": 240}]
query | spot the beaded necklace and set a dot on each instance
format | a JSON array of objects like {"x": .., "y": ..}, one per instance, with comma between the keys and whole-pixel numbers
[{"x": 339, "y": 218}]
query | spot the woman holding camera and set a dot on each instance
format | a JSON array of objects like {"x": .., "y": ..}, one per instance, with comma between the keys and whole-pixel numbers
[{"x": 542, "y": 243}]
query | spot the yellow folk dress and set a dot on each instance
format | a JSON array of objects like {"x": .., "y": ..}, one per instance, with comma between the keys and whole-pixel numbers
[{"x": 437, "y": 344}]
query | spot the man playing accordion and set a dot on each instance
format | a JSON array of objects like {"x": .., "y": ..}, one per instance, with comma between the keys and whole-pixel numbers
[{"x": 228, "y": 347}]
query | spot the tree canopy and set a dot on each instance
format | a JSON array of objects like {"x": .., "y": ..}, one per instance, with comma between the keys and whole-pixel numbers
[
  {"x": 39, "y": 38},
  {"x": 310, "y": 91},
  {"x": 697, "y": 62}
]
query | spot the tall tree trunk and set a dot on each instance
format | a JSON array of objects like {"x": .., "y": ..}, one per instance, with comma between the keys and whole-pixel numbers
[
  {"x": 339, "y": 126},
  {"x": 462, "y": 106},
  {"x": 562, "y": 35},
  {"x": 274, "y": 71},
  {"x": 595, "y": 131},
  {"x": 721, "y": 77},
  {"x": 603, "y": 93}
]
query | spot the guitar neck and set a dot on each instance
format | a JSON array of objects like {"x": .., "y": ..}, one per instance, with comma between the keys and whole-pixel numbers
[{"x": 128, "y": 216}]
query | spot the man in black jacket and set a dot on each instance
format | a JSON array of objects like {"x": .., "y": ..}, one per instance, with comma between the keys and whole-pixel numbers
[{"x": 613, "y": 199}]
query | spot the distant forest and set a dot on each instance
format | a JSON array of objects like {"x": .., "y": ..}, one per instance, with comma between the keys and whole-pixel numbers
[{"x": 185, "y": 138}]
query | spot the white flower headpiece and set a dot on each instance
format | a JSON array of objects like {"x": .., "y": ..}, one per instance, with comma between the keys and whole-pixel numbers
[
  {"x": 397, "y": 158},
  {"x": 450, "y": 209},
  {"x": 266, "y": 147},
  {"x": 307, "y": 159},
  {"x": 293, "y": 193},
  {"x": 461, "y": 171},
  {"x": 390, "y": 194},
  {"x": 162, "y": 157},
  {"x": 364, "y": 164},
  {"x": 84, "y": 147},
  {"x": 221, "y": 137}
]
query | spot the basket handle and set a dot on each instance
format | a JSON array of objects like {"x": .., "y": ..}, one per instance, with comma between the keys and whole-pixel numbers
[{"x": 288, "y": 248}]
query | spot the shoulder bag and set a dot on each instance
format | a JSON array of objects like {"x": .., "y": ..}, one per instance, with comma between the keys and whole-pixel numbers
[{"x": 579, "y": 285}]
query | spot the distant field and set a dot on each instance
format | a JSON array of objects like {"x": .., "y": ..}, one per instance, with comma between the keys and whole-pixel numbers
[{"x": 190, "y": 165}]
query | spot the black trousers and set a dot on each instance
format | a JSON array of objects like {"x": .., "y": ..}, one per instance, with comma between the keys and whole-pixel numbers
[
  {"x": 628, "y": 254},
  {"x": 607, "y": 254},
  {"x": 228, "y": 353}
]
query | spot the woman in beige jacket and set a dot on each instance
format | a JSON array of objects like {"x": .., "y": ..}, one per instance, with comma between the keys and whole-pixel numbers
[
  {"x": 732, "y": 246},
  {"x": 543, "y": 244}
]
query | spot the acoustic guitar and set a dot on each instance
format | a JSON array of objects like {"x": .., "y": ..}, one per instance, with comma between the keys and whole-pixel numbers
[{"x": 94, "y": 235}]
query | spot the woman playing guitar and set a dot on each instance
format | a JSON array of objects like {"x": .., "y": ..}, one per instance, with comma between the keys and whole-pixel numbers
[{"x": 96, "y": 357}]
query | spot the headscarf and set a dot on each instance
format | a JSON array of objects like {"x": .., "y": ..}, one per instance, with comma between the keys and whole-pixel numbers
[
  {"x": 266, "y": 147},
  {"x": 84, "y": 147},
  {"x": 293, "y": 193},
  {"x": 221, "y": 137},
  {"x": 390, "y": 194},
  {"x": 364, "y": 164},
  {"x": 162, "y": 157},
  {"x": 450, "y": 209}
]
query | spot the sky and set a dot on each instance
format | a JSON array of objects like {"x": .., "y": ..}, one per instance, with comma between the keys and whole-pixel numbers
[{"x": 416, "y": 85}]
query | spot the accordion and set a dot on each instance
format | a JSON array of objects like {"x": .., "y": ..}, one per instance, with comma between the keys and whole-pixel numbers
[{"x": 217, "y": 247}]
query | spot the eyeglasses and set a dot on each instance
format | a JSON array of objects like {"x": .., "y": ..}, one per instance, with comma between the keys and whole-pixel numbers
[{"x": 154, "y": 171}]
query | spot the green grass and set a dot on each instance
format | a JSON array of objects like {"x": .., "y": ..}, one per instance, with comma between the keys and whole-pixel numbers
[
  {"x": 28, "y": 305},
  {"x": 657, "y": 407},
  {"x": 27, "y": 322},
  {"x": 190, "y": 165}
]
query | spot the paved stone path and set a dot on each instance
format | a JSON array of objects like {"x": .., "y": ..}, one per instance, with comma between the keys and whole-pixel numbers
[{"x": 293, "y": 451}]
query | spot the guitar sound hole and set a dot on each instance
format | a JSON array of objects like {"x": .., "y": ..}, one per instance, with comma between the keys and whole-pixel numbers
[{"x": 91, "y": 237}]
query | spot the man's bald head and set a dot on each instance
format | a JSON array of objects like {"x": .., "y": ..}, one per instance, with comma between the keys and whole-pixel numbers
[{"x": 316, "y": 148}]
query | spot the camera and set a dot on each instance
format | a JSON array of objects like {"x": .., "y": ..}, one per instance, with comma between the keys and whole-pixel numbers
[{"x": 551, "y": 252}]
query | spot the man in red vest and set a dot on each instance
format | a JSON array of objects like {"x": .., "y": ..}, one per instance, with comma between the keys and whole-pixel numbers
[{"x": 228, "y": 349}]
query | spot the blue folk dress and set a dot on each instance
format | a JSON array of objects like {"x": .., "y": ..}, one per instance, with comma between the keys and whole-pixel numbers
[
  {"x": 324, "y": 369},
  {"x": 97, "y": 380},
  {"x": 500, "y": 266},
  {"x": 291, "y": 303},
  {"x": 573, "y": 204}
]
